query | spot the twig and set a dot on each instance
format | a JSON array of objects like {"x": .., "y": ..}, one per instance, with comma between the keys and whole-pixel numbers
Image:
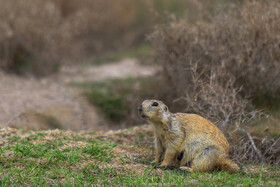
[
  {"x": 224, "y": 123},
  {"x": 271, "y": 146},
  {"x": 253, "y": 143}
]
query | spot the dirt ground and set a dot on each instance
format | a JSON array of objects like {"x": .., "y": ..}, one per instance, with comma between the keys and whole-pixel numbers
[{"x": 30, "y": 103}]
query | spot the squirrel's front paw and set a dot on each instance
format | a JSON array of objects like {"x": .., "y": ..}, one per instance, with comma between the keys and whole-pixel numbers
[
  {"x": 156, "y": 161},
  {"x": 163, "y": 165},
  {"x": 186, "y": 169},
  {"x": 167, "y": 165}
]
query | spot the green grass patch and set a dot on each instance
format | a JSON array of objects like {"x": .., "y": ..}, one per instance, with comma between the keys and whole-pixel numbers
[
  {"x": 51, "y": 121},
  {"x": 43, "y": 159},
  {"x": 110, "y": 104},
  {"x": 92, "y": 174},
  {"x": 51, "y": 150},
  {"x": 114, "y": 97},
  {"x": 101, "y": 152},
  {"x": 177, "y": 177},
  {"x": 141, "y": 52},
  {"x": 37, "y": 160},
  {"x": 267, "y": 125},
  {"x": 268, "y": 101}
]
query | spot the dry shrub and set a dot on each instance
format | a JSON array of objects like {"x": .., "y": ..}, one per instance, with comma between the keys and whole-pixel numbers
[
  {"x": 29, "y": 31},
  {"x": 246, "y": 148},
  {"x": 211, "y": 67},
  {"x": 243, "y": 43},
  {"x": 247, "y": 45},
  {"x": 103, "y": 25},
  {"x": 36, "y": 35},
  {"x": 216, "y": 99}
]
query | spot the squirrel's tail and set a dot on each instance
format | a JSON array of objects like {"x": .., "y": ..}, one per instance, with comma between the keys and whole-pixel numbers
[{"x": 225, "y": 164}]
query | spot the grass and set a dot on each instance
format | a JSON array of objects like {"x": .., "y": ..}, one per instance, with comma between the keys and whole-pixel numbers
[
  {"x": 62, "y": 158},
  {"x": 113, "y": 96},
  {"x": 106, "y": 96},
  {"x": 42, "y": 158},
  {"x": 177, "y": 177},
  {"x": 268, "y": 101},
  {"x": 268, "y": 126},
  {"x": 141, "y": 52},
  {"x": 51, "y": 121}
]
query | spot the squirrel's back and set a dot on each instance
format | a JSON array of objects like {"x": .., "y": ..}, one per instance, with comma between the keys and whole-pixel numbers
[{"x": 198, "y": 129}]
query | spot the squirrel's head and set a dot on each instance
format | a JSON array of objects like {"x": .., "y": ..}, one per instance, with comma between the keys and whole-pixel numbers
[{"x": 153, "y": 111}]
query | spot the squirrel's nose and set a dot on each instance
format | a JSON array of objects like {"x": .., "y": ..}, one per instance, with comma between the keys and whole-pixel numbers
[{"x": 140, "y": 109}]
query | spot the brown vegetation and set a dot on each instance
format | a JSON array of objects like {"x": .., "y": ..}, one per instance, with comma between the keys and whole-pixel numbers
[{"x": 37, "y": 36}]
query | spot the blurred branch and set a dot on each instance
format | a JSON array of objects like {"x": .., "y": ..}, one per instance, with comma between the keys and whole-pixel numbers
[{"x": 13, "y": 118}]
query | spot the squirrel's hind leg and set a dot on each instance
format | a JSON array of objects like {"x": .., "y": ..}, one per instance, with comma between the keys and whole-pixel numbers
[{"x": 206, "y": 160}]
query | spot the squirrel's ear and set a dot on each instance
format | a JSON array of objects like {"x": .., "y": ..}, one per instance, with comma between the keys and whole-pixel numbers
[{"x": 165, "y": 108}]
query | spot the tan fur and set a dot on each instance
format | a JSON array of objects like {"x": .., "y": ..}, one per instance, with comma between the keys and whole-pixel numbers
[{"x": 182, "y": 139}]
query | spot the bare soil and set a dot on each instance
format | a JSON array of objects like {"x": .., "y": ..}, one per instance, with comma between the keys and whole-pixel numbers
[{"x": 30, "y": 103}]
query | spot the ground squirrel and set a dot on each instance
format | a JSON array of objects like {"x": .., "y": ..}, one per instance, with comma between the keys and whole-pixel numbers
[{"x": 188, "y": 141}]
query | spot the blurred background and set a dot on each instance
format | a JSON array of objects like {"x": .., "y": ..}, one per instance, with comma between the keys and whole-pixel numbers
[{"x": 86, "y": 65}]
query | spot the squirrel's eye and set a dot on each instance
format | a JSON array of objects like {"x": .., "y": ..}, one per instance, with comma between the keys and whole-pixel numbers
[{"x": 155, "y": 104}]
